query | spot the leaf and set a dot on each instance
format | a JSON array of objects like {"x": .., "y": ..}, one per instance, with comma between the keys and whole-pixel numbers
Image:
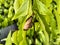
[
  {"x": 37, "y": 26},
  {"x": 46, "y": 2},
  {"x": 23, "y": 10},
  {"x": 42, "y": 20},
  {"x": 5, "y": 22},
  {"x": 10, "y": 13},
  {"x": 30, "y": 13},
  {"x": 58, "y": 20},
  {"x": 8, "y": 40},
  {"x": 30, "y": 32},
  {"x": 23, "y": 42},
  {"x": 58, "y": 41},
  {"x": 20, "y": 32},
  {"x": 30, "y": 8},
  {"x": 17, "y": 4},
  {"x": 41, "y": 8},
  {"x": 45, "y": 27},
  {"x": 14, "y": 38},
  {"x": 58, "y": 7},
  {"x": 19, "y": 36},
  {"x": 44, "y": 37},
  {"x": 38, "y": 43}
]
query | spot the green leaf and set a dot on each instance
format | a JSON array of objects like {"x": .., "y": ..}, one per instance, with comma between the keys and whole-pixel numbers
[
  {"x": 44, "y": 37},
  {"x": 10, "y": 13},
  {"x": 14, "y": 38},
  {"x": 45, "y": 27},
  {"x": 8, "y": 40},
  {"x": 41, "y": 8},
  {"x": 38, "y": 43},
  {"x": 58, "y": 41},
  {"x": 42, "y": 20},
  {"x": 20, "y": 32},
  {"x": 19, "y": 36},
  {"x": 30, "y": 32},
  {"x": 17, "y": 4},
  {"x": 30, "y": 8},
  {"x": 5, "y": 22},
  {"x": 23, "y": 10},
  {"x": 46, "y": 2},
  {"x": 57, "y": 20},
  {"x": 58, "y": 7},
  {"x": 23, "y": 42},
  {"x": 37, "y": 26}
]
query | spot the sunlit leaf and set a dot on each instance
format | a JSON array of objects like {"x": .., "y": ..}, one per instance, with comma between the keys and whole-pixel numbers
[
  {"x": 10, "y": 13},
  {"x": 17, "y": 4},
  {"x": 23, "y": 42},
  {"x": 45, "y": 27},
  {"x": 44, "y": 11},
  {"x": 23, "y": 10},
  {"x": 14, "y": 38},
  {"x": 8, "y": 40},
  {"x": 46, "y": 2}
]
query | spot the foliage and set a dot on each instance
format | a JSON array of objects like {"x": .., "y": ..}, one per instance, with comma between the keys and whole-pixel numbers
[{"x": 46, "y": 21}]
